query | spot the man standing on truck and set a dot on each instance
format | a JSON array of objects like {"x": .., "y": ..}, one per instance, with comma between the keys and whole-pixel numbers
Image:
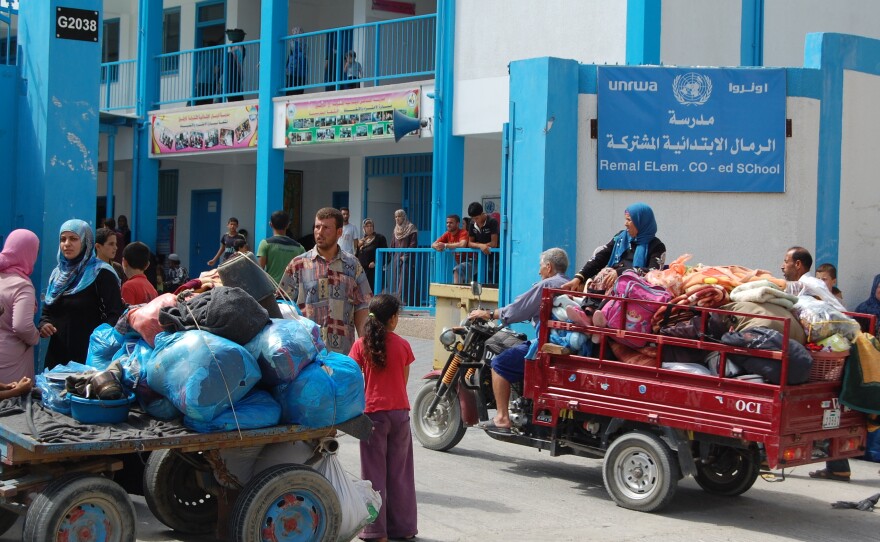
[{"x": 508, "y": 366}]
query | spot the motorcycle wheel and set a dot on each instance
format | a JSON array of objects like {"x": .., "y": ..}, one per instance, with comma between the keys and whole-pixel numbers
[
  {"x": 443, "y": 429},
  {"x": 732, "y": 473}
]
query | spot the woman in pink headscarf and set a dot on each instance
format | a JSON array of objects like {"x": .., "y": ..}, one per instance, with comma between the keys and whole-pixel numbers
[{"x": 18, "y": 334}]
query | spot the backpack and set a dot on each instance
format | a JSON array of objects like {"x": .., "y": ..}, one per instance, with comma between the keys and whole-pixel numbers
[{"x": 638, "y": 315}]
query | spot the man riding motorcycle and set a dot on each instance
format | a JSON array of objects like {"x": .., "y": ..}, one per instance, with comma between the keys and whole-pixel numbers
[{"x": 508, "y": 366}]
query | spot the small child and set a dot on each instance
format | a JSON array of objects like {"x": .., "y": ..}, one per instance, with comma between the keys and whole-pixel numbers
[
  {"x": 135, "y": 260},
  {"x": 242, "y": 249},
  {"x": 387, "y": 457},
  {"x": 827, "y": 273}
]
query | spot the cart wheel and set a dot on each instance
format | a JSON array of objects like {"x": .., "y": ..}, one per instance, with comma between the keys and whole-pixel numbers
[
  {"x": 732, "y": 473},
  {"x": 80, "y": 507},
  {"x": 286, "y": 503},
  {"x": 174, "y": 495},
  {"x": 7, "y": 520},
  {"x": 640, "y": 472},
  {"x": 443, "y": 429}
]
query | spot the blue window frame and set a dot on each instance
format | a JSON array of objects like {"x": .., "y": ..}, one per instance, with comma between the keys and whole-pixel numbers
[{"x": 110, "y": 51}]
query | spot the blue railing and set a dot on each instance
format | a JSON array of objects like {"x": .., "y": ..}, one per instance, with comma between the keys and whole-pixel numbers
[
  {"x": 118, "y": 85},
  {"x": 9, "y": 41},
  {"x": 408, "y": 272},
  {"x": 222, "y": 73},
  {"x": 384, "y": 51}
]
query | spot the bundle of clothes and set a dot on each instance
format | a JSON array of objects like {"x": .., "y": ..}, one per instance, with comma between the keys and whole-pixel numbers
[
  {"x": 220, "y": 362},
  {"x": 663, "y": 302}
]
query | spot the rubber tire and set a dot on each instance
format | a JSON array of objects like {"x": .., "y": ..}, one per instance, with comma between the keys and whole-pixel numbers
[
  {"x": 173, "y": 495},
  {"x": 262, "y": 493},
  {"x": 7, "y": 520},
  {"x": 53, "y": 505},
  {"x": 640, "y": 472},
  {"x": 446, "y": 428},
  {"x": 731, "y": 480}
]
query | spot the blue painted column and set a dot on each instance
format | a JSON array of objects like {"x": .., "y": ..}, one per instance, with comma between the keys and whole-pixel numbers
[
  {"x": 58, "y": 127},
  {"x": 752, "y": 33},
  {"x": 145, "y": 177},
  {"x": 447, "y": 183},
  {"x": 542, "y": 170},
  {"x": 270, "y": 162},
  {"x": 643, "y": 32}
]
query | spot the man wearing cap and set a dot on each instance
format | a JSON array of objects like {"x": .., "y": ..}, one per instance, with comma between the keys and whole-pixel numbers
[{"x": 173, "y": 275}]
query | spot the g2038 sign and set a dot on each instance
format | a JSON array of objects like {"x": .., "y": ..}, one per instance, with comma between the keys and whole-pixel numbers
[
  {"x": 693, "y": 129},
  {"x": 76, "y": 24}
]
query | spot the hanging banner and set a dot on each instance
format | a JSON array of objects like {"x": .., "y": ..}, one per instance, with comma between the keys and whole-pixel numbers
[
  {"x": 218, "y": 129},
  {"x": 692, "y": 129},
  {"x": 349, "y": 118}
]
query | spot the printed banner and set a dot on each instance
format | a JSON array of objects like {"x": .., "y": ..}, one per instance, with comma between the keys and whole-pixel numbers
[
  {"x": 350, "y": 118},
  {"x": 207, "y": 130},
  {"x": 694, "y": 129}
]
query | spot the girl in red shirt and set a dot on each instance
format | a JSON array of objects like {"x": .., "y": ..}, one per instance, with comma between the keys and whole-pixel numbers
[{"x": 387, "y": 457}]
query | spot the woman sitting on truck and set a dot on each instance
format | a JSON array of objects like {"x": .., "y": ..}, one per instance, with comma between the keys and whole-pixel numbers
[{"x": 634, "y": 247}]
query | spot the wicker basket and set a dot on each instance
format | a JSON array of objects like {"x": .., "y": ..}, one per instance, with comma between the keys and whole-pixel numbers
[{"x": 827, "y": 366}]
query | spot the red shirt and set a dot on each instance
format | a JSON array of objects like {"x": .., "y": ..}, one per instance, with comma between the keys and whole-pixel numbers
[
  {"x": 138, "y": 290},
  {"x": 456, "y": 237},
  {"x": 386, "y": 387}
]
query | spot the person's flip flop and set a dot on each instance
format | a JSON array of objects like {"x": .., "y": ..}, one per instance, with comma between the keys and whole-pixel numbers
[
  {"x": 825, "y": 474},
  {"x": 490, "y": 426}
]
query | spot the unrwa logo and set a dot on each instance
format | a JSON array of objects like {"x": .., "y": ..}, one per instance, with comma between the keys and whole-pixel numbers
[
  {"x": 692, "y": 88},
  {"x": 637, "y": 86}
]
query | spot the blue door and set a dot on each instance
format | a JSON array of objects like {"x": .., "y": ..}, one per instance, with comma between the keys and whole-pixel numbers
[{"x": 205, "y": 229}]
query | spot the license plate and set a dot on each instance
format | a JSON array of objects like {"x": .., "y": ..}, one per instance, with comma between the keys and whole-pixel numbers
[{"x": 831, "y": 418}]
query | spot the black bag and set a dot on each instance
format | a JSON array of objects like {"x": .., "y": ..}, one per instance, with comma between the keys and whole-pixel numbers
[
  {"x": 504, "y": 340},
  {"x": 762, "y": 338}
]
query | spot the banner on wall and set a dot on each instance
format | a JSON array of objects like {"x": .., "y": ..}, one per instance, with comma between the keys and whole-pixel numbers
[
  {"x": 691, "y": 129},
  {"x": 225, "y": 128},
  {"x": 349, "y": 118}
]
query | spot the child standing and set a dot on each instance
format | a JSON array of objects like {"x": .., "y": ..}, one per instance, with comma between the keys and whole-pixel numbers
[
  {"x": 227, "y": 242},
  {"x": 135, "y": 260},
  {"x": 387, "y": 457}
]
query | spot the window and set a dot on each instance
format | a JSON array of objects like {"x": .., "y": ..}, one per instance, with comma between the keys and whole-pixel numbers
[
  {"x": 171, "y": 40},
  {"x": 167, "y": 193},
  {"x": 110, "y": 51},
  {"x": 212, "y": 12}
]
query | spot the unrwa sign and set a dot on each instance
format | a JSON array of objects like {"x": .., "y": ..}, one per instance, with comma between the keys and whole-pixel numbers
[{"x": 706, "y": 129}]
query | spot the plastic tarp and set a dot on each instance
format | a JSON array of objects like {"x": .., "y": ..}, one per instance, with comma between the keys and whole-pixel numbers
[
  {"x": 104, "y": 342},
  {"x": 284, "y": 347},
  {"x": 258, "y": 409},
  {"x": 134, "y": 356},
  {"x": 51, "y": 383}
]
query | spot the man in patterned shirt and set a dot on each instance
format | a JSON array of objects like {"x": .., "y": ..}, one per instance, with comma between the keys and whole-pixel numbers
[{"x": 329, "y": 284}]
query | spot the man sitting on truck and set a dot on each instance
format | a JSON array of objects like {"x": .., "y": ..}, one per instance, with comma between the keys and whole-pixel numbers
[{"x": 508, "y": 366}]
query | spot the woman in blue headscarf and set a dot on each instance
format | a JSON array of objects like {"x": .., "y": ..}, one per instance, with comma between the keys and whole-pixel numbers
[
  {"x": 634, "y": 247},
  {"x": 872, "y": 304},
  {"x": 83, "y": 293}
]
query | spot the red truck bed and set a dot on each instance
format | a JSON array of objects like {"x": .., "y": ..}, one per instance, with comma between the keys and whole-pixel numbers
[{"x": 797, "y": 424}]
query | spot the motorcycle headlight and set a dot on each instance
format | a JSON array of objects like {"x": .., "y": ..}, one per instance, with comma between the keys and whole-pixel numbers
[{"x": 447, "y": 337}]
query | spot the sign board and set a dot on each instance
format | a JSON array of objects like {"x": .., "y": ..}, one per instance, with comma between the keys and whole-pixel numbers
[
  {"x": 349, "y": 118},
  {"x": 691, "y": 129},
  {"x": 222, "y": 128},
  {"x": 76, "y": 24}
]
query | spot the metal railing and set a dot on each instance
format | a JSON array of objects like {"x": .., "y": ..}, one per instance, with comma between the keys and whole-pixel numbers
[
  {"x": 384, "y": 51},
  {"x": 408, "y": 272},
  {"x": 222, "y": 73},
  {"x": 118, "y": 85},
  {"x": 9, "y": 43}
]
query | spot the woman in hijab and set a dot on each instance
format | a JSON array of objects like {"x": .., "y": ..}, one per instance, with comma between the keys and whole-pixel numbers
[
  {"x": 83, "y": 293},
  {"x": 406, "y": 235},
  {"x": 872, "y": 304},
  {"x": 366, "y": 250},
  {"x": 634, "y": 247},
  {"x": 18, "y": 302}
]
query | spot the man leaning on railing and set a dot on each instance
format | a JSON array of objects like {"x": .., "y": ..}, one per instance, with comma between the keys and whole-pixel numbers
[{"x": 454, "y": 237}]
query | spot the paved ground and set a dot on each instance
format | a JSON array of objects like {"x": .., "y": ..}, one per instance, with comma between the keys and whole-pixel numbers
[{"x": 484, "y": 490}]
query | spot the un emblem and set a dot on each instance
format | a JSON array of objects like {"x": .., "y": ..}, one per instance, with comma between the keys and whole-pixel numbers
[{"x": 692, "y": 88}]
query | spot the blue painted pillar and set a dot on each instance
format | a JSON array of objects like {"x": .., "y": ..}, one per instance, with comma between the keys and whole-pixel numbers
[
  {"x": 752, "y": 33},
  {"x": 447, "y": 183},
  {"x": 145, "y": 177},
  {"x": 643, "y": 32},
  {"x": 58, "y": 127},
  {"x": 270, "y": 162},
  {"x": 542, "y": 171}
]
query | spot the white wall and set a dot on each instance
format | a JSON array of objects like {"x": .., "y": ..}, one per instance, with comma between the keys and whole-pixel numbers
[
  {"x": 859, "y": 257},
  {"x": 482, "y": 170},
  {"x": 700, "y": 33},
  {"x": 787, "y": 22},
  {"x": 320, "y": 179},
  {"x": 753, "y": 230}
]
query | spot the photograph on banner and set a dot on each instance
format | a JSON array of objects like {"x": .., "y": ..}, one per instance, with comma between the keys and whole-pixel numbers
[
  {"x": 691, "y": 129},
  {"x": 349, "y": 118},
  {"x": 207, "y": 130}
]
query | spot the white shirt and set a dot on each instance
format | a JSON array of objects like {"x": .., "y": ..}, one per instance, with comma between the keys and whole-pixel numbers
[{"x": 349, "y": 236}]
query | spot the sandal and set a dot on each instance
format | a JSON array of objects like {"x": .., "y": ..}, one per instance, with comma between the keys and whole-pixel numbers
[{"x": 826, "y": 474}]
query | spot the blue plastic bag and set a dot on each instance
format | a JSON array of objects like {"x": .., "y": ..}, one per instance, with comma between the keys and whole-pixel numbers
[
  {"x": 256, "y": 410},
  {"x": 51, "y": 383},
  {"x": 872, "y": 442},
  {"x": 326, "y": 392},
  {"x": 284, "y": 347},
  {"x": 133, "y": 357},
  {"x": 104, "y": 342},
  {"x": 201, "y": 373}
]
